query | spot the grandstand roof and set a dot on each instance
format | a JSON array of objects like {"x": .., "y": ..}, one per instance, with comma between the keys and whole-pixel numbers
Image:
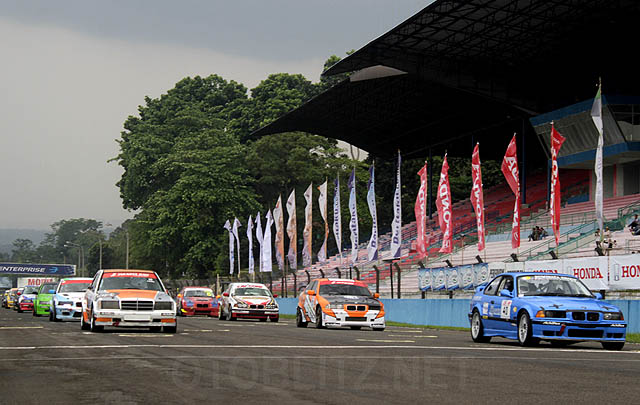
[{"x": 478, "y": 69}]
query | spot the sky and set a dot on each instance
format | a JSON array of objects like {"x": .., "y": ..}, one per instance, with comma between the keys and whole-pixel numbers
[{"x": 72, "y": 71}]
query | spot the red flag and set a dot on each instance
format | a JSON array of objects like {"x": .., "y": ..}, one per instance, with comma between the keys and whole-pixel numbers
[
  {"x": 511, "y": 173},
  {"x": 421, "y": 216},
  {"x": 443, "y": 203},
  {"x": 477, "y": 198},
  {"x": 554, "y": 205}
]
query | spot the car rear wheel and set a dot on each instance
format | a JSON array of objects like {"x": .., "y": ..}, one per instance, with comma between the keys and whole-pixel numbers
[
  {"x": 525, "y": 331},
  {"x": 170, "y": 329},
  {"x": 301, "y": 322},
  {"x": 477, "y": 329},
  {"x": 612, "y": 345},
  {"x": 319, "y": 318}
]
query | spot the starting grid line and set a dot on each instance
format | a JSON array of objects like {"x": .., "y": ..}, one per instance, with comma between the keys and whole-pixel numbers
[{"x": 323, "y": 347}]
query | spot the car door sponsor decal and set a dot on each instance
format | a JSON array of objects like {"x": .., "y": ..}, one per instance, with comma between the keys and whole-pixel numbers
[
  {"x": 506, "y": 309},
  {"x": 485, "y": 308}
]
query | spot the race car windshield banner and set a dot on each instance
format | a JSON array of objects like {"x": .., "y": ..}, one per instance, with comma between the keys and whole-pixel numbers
[
  {"x": 372, "y": 246},
  {"x": 443, "y": 203},
  {"x": 396, "y": 224},
  {"x": 292, "y": 231},
  {"x": 129, "y": 274},
  {"x": 477, "y": 197},
  {"x": 512, "y": 175},
  {"x": 353, "y": 224},
  {"x": 554, "y": 205}
]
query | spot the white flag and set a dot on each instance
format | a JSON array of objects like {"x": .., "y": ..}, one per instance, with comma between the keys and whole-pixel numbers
[
  {"x": 396, "y": 225},
  {"x": 266, "y": 244},
  {"x": 292, "y": 231},
  {"x": 322, "y": 202},
  {"x": 227, "y": 226},
  {"x": 353, "y": 224},
  {"x": 596, "y": 115},
  {"x": 372, "y": 247},
  {"x": 306, "y": 234},
  {"x": 236, "y": 225},
  {"x": 250, "y": 236},
  {"x": 259, "y": 236},
  {"x": 337, "y": 220}
]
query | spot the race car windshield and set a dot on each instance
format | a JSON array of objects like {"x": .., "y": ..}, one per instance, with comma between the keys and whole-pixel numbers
[
  {"x": 198, "y": 293},
  {"x": 130, "y": 283},
  {"x": 46, "y": 287},
  {"x": 30, "y": 290},
  {"x": 251, "y": 292},
  {"x": 544, "y": 285},
  {"x": 344, "y": 289},
  {"x": 74, "y": 287}
]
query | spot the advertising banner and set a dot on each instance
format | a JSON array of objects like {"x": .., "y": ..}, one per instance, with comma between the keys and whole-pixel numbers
[
  {"x": 438, "y": 279},
  {"x": 592, "y": 271},
  {"x": 465, "y": 274},
  {"x": 37, "y": 281},
  {"x": 481, "y": 274},
  {"x": 43, "y": 269},
  {"x": 443, "y": 204},
  {"x": 424, "y": 279},
  {"x": 624, "y": 272},
  {"x": 453, "y": 279},
  {"x": 544, "y": 266}
]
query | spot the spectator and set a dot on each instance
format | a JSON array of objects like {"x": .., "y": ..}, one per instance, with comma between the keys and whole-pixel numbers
[
  {"x": 633, "y": 226},
  {"x": 532, "y": 235},
  {"x": 543, "y": 233},
  {"x": 597, "y": 235}
]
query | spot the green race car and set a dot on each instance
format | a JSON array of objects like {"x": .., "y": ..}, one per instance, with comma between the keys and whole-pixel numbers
[{"x": 43, "y": 299}]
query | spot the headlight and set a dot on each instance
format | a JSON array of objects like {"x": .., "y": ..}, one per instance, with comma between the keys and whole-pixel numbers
[
  {"x": 613, "y": 316},
  {"x": 272, "y": 306},
  {"x": 551, "y": 314},
  {"x": 335, "y": 306},
  {"x": 109, "y": 305},
  {"x": 241, "y": 304},
  {"x": 63, "y": 303},
  {"x": 163, "y": 305}
]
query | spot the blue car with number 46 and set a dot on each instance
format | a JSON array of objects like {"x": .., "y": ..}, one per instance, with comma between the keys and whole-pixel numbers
[{"x": 557, "y": 308}]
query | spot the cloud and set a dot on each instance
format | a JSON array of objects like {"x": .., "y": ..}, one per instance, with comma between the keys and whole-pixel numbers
[{"x": 64, "y": 98}]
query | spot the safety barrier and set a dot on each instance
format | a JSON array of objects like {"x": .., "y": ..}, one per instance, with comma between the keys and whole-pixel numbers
[{"x": 446, "y": 312}]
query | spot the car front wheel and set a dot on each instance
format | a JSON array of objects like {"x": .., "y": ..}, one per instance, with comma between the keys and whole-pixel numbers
[
  {"x": 612, "y": 345},
  {"x": 525, "y": 331},
  {"x": 301, "y": 322},
  {"x": 319, "y": 318},
  {"x": 477, "y": 329}
]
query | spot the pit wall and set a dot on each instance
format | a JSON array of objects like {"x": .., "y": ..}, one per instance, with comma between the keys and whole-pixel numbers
[{"x": 438, "y": 312}]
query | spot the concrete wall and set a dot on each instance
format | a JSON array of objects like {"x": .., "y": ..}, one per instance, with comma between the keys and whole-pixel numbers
[{"x": 454, "y": 312}]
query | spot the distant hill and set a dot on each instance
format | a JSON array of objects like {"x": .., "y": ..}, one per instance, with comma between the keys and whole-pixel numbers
[{"x": 7, "y": 236}]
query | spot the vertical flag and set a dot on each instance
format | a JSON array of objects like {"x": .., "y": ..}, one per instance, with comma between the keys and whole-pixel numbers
[
  {"x": 511, "y": 173},
  {"x": 396, "y": 224},
  {"x": 596, "y": 116},
  {"x": 477, "y": 195},
  {"x": 236, "y": 225},
  {"x": 278, "y": 219},
  {"x": 308, "y": 221},
  {"x": 337, "y": 220},
  {"x": 353, "y": 223},
  {"x": 421, "y": 214},
  {"x": 372, "y": 247},
  {"x": 227, "y": 226},
  {"x": 554, "y": 205},
  {"x": 322, "y": 202},
  {"x": 250, "y": 236},
  {"x": 443, "y": 203},
  {"x": 292, "y": 231},
  {"x": 266, "y": 244},
  {"x": 259, "y": 236}
]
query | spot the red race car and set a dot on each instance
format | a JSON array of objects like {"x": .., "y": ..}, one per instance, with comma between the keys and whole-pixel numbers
[{"x": 197, "y": 301}]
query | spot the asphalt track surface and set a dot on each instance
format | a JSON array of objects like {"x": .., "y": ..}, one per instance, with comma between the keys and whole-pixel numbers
[{"x": 253, "y": 362}]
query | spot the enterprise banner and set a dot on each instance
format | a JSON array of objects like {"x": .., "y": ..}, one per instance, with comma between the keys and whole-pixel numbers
[{"x": 44, "y": 269}]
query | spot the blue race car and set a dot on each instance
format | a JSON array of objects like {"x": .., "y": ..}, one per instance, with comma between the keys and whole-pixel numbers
[
  {"x": 531, "y": 307},
  {"x": 66, "y": 304}
]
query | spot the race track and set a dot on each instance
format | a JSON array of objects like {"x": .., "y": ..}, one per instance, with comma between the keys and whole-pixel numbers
[{"x": 254, "y": 362}]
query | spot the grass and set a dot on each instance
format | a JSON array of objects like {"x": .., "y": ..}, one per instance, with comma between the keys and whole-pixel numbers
[
  {"x": 633, "y": 337},
  {"x": 410, "y": 325}
]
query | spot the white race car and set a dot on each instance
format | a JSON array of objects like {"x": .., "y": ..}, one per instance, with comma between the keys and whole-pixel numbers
[
  {"x": 128, "y": 298},
  {"x": 66, "y": 304},
  {"x": 248, "y": 300}
]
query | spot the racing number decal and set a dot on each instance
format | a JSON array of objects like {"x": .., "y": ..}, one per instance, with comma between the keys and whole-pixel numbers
[{"x": 505, "y": 312}]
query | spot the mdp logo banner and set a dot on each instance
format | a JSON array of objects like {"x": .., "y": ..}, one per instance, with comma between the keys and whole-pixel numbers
[
  {"x": 438, "y": 279},
  {"x": 466, "y": 277},
  {"x": 424, "y": 279},
  {"x": 45, "y": 269},
  {"x": 453, "y": 279},
  {"x": 481, "y": 274}
]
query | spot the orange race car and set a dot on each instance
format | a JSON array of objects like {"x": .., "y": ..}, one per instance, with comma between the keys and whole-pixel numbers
[{"x": 329, "y": 302}]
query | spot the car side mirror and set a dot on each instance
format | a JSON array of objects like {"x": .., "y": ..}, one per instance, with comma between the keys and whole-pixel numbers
[
  {"x": 506, "y": 293},
  {"x": 52, "y": 291},
  {"x": 179, "y": 295},
  {"x": 225, "y": 294},
  {"x": 376, "y": 295},
  {"x": 598, "y": 296},
  {"x": 311, "y": 292}
]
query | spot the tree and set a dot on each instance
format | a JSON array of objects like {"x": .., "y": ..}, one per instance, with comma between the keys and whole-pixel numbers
[{"x": 24, "y": 251}]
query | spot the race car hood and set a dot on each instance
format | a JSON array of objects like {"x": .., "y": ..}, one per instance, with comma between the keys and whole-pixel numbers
[
  {"x": 572, "y": 303},
  {"x": 30, "y": 296},
  {"x": 350, "y": 299},
  {"x": 253, "y": 300},
  {"x": 133, "y": 294},
  {"x": 73, "y": 296}
]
